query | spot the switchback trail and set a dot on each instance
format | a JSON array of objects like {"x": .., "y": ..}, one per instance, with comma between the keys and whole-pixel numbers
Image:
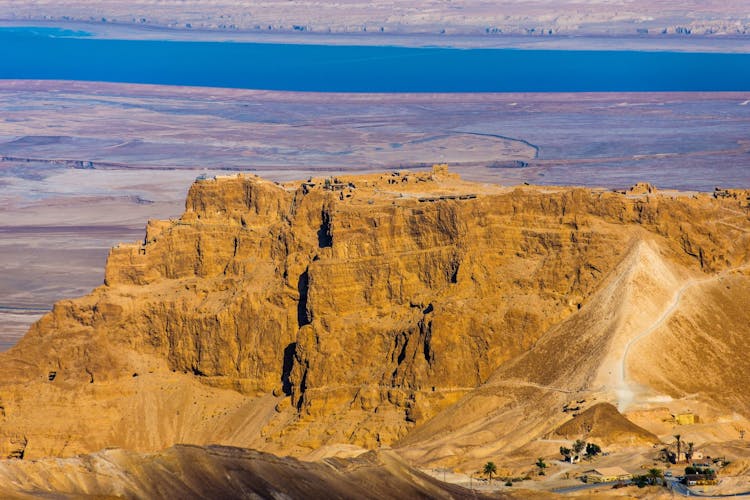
[{"x": 625, "y": 388}]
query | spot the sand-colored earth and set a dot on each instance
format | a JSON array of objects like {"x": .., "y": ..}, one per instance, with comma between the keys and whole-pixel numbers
[
  {"x": 602, "y": 423},
  {"x": 221, "y": 472},
  {"x": 452, "y": 321}
]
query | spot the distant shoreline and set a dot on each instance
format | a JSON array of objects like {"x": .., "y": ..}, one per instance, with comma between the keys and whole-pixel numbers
[{"x": 670, "y": 42}]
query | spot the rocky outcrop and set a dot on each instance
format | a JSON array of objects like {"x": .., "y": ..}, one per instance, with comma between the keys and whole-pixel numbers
[
  {"x": 603, "y": 423},
  {"x": 362, "y": 306}
]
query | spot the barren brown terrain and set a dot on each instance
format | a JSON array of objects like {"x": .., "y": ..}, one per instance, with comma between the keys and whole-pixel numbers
[
  {"x": 455, "y": 322},
  {"x": 223, "y": 472}
]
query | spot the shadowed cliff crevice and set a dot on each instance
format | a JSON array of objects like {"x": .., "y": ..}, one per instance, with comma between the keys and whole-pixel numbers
[
  {"x": 402, "y": 342},
  {"x": 302, "y": 388},
  {"x": 18, "y": 447},
  {"x": 429, "y": 355},
  {"x": 325, "y": 235},
  {"x": 411, "y": 368},
  {"x": 303, "y": 316},
  {"x": 453, "y": 272},
  {"x": 286, "y": 371}
]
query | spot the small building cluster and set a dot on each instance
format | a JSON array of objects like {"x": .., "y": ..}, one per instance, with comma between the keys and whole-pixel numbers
[
  {"x": 606, "y": 475},
  {"x": 686, "y": 418},
  {"x": 447, "y": 197},
  {"x": 701, "y": 477},
  {"x": 334, "y": 184}
]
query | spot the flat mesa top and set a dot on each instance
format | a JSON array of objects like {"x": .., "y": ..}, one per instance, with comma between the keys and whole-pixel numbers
[
  {"x": 436, "y": 184},
  {"x": 423, "y": 186}
]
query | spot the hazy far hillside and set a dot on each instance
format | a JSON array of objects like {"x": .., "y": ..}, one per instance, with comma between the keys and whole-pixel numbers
[{"x": 538, "y": 18}]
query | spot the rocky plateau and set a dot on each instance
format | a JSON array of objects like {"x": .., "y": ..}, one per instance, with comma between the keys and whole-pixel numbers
[{"x": 437, "y": 321}]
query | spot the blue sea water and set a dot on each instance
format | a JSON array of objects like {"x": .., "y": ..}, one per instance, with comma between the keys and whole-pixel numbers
[{"x": 38, "y": 53}]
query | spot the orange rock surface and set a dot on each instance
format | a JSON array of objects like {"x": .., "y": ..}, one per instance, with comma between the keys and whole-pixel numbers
[{"x": 405, "y": 309}]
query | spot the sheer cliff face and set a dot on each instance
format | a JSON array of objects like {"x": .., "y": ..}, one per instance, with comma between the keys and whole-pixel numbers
[
  {"x": 366, "y": 305},
  {"x": 342, "y": 303}
]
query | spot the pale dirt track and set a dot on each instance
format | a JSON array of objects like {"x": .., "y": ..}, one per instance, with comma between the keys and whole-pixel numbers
[{"x": 626, "y": 389}]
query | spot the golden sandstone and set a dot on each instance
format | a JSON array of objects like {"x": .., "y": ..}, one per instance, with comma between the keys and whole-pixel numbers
[{"x": 408, "y": 309}]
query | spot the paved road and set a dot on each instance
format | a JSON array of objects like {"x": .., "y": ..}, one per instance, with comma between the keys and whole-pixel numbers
[
  {"x": 674, "y": 484},
  {"x": 584, "y": 486},
  {"x": 683, "y": 490}
]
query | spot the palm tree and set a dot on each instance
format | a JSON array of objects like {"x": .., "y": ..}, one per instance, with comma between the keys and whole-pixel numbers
[
  {"x": 677, "y": 437},
  {"x": 592, "y": 450},
  {"x": 579, "y": 446},
  {"x": 489, "y": 469},
  {"x": 541, "y": 465},
  {"x": 653, "y": 475},
  {"x": 689, "y": 452}
]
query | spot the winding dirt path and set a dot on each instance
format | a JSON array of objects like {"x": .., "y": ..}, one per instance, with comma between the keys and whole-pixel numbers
[{"x": 626, "y": 390}]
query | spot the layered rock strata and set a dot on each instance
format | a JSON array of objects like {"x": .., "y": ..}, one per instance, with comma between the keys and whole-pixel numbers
[{"x": 337, "y": 310}]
